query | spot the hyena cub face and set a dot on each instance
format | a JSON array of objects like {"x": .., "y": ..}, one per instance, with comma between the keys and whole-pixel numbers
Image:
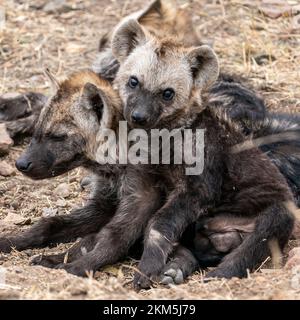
[
  {"x": 159, "y": 80},
  {"x": 66, "y": 133}
]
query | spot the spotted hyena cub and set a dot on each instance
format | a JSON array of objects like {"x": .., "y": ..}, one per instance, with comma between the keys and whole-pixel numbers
[
  {"x": 161, "y": 84},
  {"x": 68, "y": 134},
  {"x": 64, "y": 138}
]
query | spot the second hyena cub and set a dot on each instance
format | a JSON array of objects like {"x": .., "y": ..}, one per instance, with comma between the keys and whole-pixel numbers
[
  {"x": 68, "y": 134},
  {"x": 161, "y": 84},
  {"x": 64, "y": 138}
]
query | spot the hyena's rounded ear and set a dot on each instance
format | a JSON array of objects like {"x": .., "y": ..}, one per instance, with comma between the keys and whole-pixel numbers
[
  {"x": 92, "y": 96},
  {"x": 204, "y": 66},
  {"x": 151, "y": 13},
  {"x": 126, "y": 37},
  {"x": 99, "y": 102}
]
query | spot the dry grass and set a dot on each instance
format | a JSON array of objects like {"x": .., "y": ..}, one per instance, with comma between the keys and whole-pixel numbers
[{"x": 66, "y": 41}]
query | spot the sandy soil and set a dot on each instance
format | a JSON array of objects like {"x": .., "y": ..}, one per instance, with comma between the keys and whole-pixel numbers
[{"x": 33, "y": 38}]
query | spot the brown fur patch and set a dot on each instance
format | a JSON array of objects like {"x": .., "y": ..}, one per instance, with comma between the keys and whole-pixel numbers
[
  {"x": 77, "y": 80},
  {"x": 72, "y": 87},
  {"x": 170, "y": 44}
]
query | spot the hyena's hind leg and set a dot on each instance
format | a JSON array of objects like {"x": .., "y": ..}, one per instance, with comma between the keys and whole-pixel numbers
[
  {"x": 20, "y": 113},
  {"x": 181, "y": 264},
  {"x": 21, "y": 106},
  {"x": 273, "y": 225},
  {"x": 78, "y": 250}
]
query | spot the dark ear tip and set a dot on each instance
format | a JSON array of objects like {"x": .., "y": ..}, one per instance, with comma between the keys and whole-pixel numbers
[
  {"x": 153, "y": 6},
  {"x": 90, "y": 89},
  {"x": 207, "y": 51},
  {"x": 89, "y": 85},
  {"x": 126, "y": 36}
]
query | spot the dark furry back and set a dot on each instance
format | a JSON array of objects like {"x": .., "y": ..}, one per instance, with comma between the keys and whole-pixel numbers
[
  {"x": 248, "y": 109},
  {"x": 284, "y": 153},
  {"x": 240, "y": 102}
]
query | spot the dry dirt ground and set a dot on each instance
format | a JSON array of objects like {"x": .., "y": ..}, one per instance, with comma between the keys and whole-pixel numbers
[{"x": 67, "y": 40}]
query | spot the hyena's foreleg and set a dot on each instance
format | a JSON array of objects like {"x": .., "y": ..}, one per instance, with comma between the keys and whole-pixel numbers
[
  {"x": 79, "y": 249},
  {"x": 273, "y": 226},
  {"x": 115, "y": 239},
  {"x": 163, "y": 233},
  {"x": 61, "y": 229},
  {"x": 182, "y": 264}
]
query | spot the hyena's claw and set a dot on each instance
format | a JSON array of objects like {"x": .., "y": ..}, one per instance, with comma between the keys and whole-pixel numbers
[
  {"x": 177, "y": 275},
  {"x": 172, "y": 275},
  {"x": 141, "y": 281},
  {"x": 36, "y": 260},
  {"x": 166, "y": 280},
  {"x": 74, "y": 268},
  {"x": 45, "y": 261},
  {"x": 85, "y": 182},
  {"x": 213, "y": 275},
  {"x": 222, "y": 273}
]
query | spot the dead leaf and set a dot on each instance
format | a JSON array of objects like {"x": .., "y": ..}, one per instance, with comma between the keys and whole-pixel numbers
[
  {"x": 62, "y": 190},
  {"x": 275, "y": 8},
  {"x": 49, "y": 212},
  {"x": 16, "y": 219},
  {"x": 111, "y": 270}
]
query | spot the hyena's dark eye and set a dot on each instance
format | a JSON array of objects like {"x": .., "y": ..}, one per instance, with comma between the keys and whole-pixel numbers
[
  {"x": 57, "y": 137},
  {"x": 133, "y": 82},
  {"x": 168, "y": 94}
]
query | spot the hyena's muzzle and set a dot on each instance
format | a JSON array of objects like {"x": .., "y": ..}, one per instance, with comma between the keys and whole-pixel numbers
[
  {"x": 51, "y": 156},
  {"x": 142, "y": 110}
]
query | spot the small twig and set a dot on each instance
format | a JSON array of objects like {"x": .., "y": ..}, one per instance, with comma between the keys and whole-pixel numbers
[{"x": 264, "y": 262}]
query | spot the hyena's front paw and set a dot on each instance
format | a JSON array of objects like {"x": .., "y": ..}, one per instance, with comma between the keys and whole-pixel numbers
[
  {"x": 141, "y": 281},
  {"x": 5, "y": 245},
  {"x": 226, "y": 273},
  {"x": 172, "y": 274},
  {"x": 148, "y": 273},
  {"x": 86, "y": 182},
  {"x": 51, "y": 261},
  {"x": 76, "y": 268}
]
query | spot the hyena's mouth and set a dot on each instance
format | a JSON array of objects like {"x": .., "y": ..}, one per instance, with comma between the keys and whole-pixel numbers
[
  {"x": 65, "y": 166},
  {"x": 143, "y": 124},
  {"x": 42, "y": 170}
]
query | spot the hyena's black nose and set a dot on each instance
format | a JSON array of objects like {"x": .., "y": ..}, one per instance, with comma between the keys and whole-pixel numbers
[
  {"x": 139, "y": 117},
  {"x": 23, "y": 164}
]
